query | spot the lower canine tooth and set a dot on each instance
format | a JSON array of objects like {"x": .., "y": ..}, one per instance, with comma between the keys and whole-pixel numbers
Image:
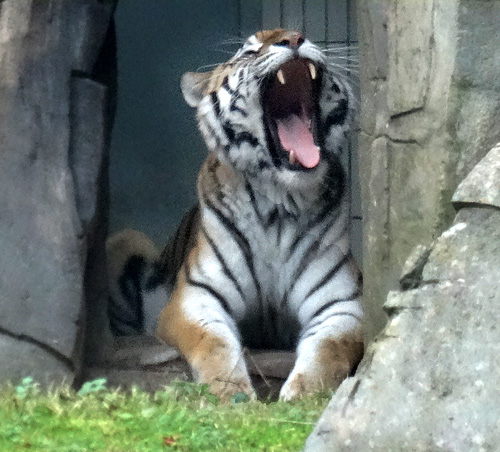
[
  {"x": 281, "y": 77},
  {"x": 312, "y": 70},
  {"x": 292, "y": 157}
]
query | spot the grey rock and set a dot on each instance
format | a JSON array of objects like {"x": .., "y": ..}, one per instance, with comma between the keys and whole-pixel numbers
[
  {"x": 89, "y": 24},
  {"x": 43, "y": 199},
  {"x": 411, "y": 275},
  {"x": 482, "y": 184},
  {"x": 435, "y": 107},
  {"x": 86, "y": 149},
  {"x": 430, "y": 380},
  {"x": 20, "y": 358},
  {"x": 408, "y": 86}
]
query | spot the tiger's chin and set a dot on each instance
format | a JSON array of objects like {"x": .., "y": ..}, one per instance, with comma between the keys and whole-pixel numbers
[{"x": 292, "y": 180}]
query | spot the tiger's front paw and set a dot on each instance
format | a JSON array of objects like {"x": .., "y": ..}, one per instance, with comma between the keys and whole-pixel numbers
[
  {"x": 333, "y": 360},
  {"x": 301, "y": 384},
  {"x": 225, "y": 389}
]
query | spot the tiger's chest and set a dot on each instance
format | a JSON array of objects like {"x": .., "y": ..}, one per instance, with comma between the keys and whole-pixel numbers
[{"x": 268, "y": 248}]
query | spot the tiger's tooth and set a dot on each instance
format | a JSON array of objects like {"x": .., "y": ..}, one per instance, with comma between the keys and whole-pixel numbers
[
  {"x": 312, "y": 70},
  {"x": 292, "y": 158},
  {"x": 281, "y": 77}
]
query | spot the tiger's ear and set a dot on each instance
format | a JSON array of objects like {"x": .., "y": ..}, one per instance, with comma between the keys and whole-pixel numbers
[{"x": 193, "y": 86}]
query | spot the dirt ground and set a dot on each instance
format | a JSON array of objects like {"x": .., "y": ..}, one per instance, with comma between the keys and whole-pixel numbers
[{"x": 147, "y": 363}]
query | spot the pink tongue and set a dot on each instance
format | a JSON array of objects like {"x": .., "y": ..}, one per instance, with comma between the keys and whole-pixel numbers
[{"x": 295, "y": 136}]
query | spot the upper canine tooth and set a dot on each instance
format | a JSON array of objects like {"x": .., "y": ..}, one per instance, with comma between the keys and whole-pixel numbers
[
  {"x": 281, "y": 77},
  {"x": 312, "y": 70},
  {"x": 291, "y": 157}
]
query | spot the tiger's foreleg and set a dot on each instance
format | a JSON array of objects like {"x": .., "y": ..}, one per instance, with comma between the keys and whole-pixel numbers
[
  {"x": 325, "y": 357},
  {"x": 195, "y": 323}
]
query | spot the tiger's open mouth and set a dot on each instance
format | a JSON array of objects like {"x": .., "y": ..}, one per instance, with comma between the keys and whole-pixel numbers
[{"x": 289, "y": 99}]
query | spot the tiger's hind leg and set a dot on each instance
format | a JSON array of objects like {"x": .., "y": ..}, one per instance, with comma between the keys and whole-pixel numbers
[
  {"x": 207, "y": 337},
  {"x": 324, "y": 359}
]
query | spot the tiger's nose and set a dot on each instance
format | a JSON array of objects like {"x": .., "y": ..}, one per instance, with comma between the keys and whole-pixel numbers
[{"x": 293, "y": 40}]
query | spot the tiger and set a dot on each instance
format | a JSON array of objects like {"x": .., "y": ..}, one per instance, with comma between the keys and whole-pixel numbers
[{"x": 263, "y": 261}]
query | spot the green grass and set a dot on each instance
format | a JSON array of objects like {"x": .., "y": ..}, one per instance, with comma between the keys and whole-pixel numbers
[{"x": 185, "y": 417}]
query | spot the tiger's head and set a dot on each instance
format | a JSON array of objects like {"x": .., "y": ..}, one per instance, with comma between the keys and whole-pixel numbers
[{"x": 276, "y": 110}]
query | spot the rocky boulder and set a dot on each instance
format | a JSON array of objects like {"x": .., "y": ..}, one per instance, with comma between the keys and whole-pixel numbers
[
  {"x": 430, "y": 381},
  {"x": 54, "y": 126}
]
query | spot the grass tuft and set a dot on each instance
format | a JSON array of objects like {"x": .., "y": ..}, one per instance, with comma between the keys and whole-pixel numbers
[{"x": 182, "y": 417}]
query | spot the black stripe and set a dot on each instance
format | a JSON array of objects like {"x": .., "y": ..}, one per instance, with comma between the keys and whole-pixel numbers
[
  {"x": 337, "y": 116},
  {"x": 234, "y": 107},
  {"x": 327, "y": 210},
  {"x": 185, "y": 231},
  {"x": 292, "y": 202},
  {"x": 223, "y": 263},
  {"x": 308, "y": 333},
  {"x": 310, "y": 253},
  {"x": 273, "y": 216},
  {"x": 278, "y": 231},
  {"x": 284, "y": 300},
  {"x": 306, "y": 259},
  {"x": 213, "y": 132},
  {"x": 329, "y": 275},
  {"x": 192, "y": 214},
  {"x": 130, "y": 282},
  {"x": 176, "y": 249},
  {"x": 253, "y": 201},
  {"x": 205, "y": 323},
  {"x": 331, "y": 303},
  {"x": 246, "y": 137},
  {"x": 262, "y": 59},
  {"x": 239, "y": 138},
  {"x": 175, "y": 246},
  {"x": 225, "y": 85},
  {"x": 235, "y": 96},
  {"x": 228, "y": 131},
  {"x": 242, "y": 242},
  {"x": 240, "y": 77},
  {"x": 215, "y": 103},
  {"x": 207, "y": 287},
  {"x": 212, "y": 292},
  {"x": 331, "y": 197}
]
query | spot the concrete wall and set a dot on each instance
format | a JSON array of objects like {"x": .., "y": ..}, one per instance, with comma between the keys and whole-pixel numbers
[
  {"x": 156, "y": 149},
  {"x": 430, "y": 112}
]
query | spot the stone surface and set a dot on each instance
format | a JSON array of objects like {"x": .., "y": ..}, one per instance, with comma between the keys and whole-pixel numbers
[
  {"x": 430, "y": 380},
  {"x": 87, "y": 142},
  {"x": 482, "y": 184},
  {"x": 430, "y": 110},
  {"x": 45, "y": 205},
  {"x": 411, "y": 275},
  {"x": 20, "y": 358}
]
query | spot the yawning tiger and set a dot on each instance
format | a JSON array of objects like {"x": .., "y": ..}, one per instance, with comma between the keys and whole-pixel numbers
[{"x": 264, "y": 260}]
